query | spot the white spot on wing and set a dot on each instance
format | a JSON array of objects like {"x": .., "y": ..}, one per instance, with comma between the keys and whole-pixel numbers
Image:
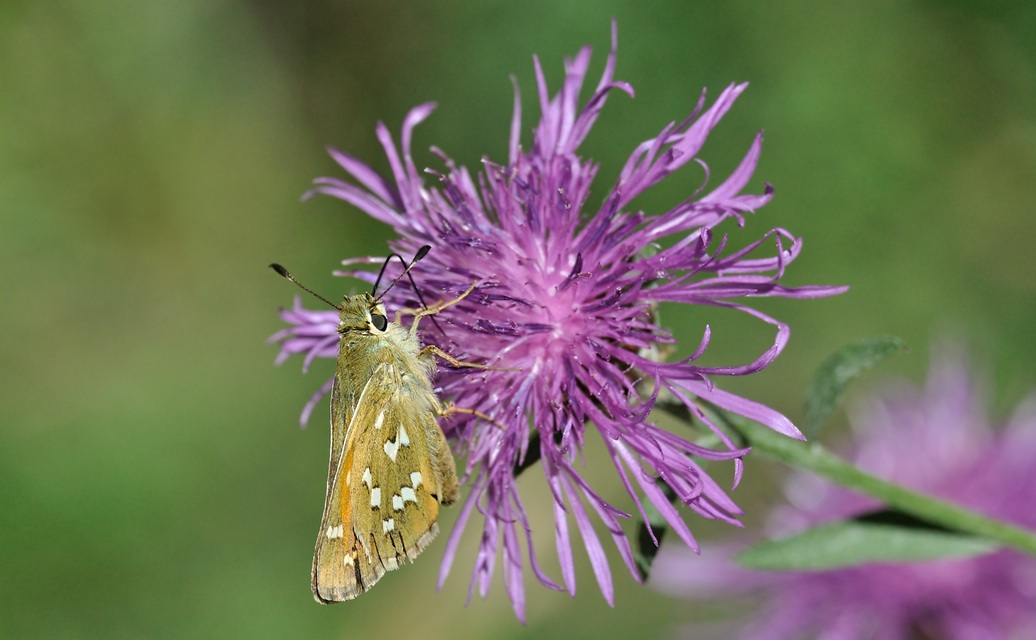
[
  {"x": 367, "y": 477},
  {"x": 380, "y": 419},
  {"x": 397, "y": 503},
  {"x": 376, "y": 497},
  {"x": 333, "y": 533},
  {"x": 388, "y": 525},
  {"x": 408, "y": 494},
  {"x": 392, "y": 446},
  {"x": 415, "y": 479},
  {"x": 391, "y": 449}
]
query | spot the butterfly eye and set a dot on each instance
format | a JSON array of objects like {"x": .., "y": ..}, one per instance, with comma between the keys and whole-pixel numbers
[{"x": 379, "y": 321}]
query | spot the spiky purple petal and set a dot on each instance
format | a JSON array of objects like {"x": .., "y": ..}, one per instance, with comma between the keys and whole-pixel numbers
[{"x": 564, "y": 308}]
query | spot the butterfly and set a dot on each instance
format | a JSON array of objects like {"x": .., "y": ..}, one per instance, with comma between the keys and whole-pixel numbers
[{"x": 390, "y": 466}]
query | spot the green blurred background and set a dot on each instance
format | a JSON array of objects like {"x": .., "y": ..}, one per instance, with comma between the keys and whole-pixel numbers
[{"x": 154, "y": 481}]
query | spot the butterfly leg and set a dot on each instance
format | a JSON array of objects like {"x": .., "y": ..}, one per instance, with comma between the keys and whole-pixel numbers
[
  {"x": 452, "y": 409},
  {"x": 431, "y": 351},
  {"x": 432, "y": 310}
]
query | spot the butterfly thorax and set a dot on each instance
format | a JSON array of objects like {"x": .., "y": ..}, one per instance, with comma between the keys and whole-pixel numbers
[{"x": 367, "y": 341}]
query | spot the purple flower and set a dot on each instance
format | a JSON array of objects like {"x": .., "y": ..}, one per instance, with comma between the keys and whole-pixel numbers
[
  {"x": 565, "y": 302},
  {"x": 937, "y": 440}
]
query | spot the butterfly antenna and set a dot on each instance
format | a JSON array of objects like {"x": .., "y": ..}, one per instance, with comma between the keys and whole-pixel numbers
[
  {"x": 284, "y": 272},
  {"x": 422, "y": 252}
]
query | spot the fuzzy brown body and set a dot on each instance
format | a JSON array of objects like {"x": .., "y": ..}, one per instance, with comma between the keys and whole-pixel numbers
[{"x": 390, "y": 465}]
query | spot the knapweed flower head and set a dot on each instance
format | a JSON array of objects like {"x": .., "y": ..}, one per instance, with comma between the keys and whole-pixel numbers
[
  {"x": 937, "y": 440},
  {"x": 564, "y": 308}
]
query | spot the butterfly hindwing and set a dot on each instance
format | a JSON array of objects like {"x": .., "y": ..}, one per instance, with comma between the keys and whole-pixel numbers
[{"x": 391, "y": 470}]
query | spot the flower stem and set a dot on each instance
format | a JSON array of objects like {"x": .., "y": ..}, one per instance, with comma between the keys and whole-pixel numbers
[{"x": 816, "y": 458}]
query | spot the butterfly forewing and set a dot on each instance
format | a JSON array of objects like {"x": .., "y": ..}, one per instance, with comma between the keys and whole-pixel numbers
[{"x": 390, "y": 466}]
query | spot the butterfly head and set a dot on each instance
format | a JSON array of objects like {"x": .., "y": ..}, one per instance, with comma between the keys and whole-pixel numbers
[{"x": 362, "y": 313}]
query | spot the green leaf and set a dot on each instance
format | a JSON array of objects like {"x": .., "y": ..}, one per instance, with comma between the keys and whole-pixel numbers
[
  {"x": 837, "y": 371},
  {"x": 862, "y": 541}
]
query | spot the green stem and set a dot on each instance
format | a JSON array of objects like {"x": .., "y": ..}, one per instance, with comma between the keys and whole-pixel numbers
[{"x": 815, "y": 458}]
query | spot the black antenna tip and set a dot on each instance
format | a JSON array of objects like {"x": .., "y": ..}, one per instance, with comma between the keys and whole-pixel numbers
[
  {"x": 284, "y": 272},
  {"x": 422, "y": 252}
]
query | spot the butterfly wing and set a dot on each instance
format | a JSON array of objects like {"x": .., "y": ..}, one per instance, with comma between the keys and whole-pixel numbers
[{"x": 388, "y": 474}]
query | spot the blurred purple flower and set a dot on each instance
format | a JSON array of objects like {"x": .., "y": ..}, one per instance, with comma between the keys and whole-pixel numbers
[
  {"x": 937, "y": 440},
  {"x": 566, "y": 295}
]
